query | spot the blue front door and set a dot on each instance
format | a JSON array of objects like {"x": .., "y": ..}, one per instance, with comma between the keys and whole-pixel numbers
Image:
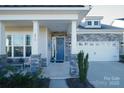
[{"x": 59, "y": 49}]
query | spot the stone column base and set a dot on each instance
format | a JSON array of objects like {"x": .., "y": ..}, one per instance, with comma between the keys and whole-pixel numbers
[
  {"x": 3, "y": 60},
  {"x": 73, "y": 66},
  {"x": 43, "y": 61}
]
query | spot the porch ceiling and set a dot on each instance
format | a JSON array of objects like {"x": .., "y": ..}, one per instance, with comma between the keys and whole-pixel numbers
[{"x": 53, "y": 25}]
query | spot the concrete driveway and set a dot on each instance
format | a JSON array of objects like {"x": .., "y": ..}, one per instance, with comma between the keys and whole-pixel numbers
[{"x": 106, "y": 74}]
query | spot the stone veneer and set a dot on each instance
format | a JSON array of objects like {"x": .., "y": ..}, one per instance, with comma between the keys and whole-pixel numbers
[
  {"x": 67, "y": 47},
  {"x": 3, "y": 60},
  {"x": 100, "y": 37}
]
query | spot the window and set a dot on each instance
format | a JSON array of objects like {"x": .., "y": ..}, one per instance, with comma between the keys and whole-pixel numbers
[
  {"x": 28, "y": 40},
  {"x": 89, "y": 23},
  {"x": 9, "y": 46},
  {"x": 28, "y": 46},
  {"x": 28, "y": 51},
  {"x": 8, "y": 40},
  {"x": 9, "y": 51},
  {"x": 18, "y": 40},
  {"x": 18, "y": 45},
  {"x": 96, "y": 23},
  {"x": 18, "y": 51}
]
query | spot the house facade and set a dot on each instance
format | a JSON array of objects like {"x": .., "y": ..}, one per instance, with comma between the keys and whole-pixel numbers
[{"x": 55, "y": 32}]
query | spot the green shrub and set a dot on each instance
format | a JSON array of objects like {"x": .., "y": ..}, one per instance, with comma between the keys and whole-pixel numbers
[
  {"x": 23, "y": 81},
  {"x": 83, "y": 65}
]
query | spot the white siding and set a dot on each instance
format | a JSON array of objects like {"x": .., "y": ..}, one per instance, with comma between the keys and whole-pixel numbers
[{"x": 100, "y": 51}]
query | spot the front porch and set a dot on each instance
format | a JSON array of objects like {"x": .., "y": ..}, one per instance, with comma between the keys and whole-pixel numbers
[{"x": 24, "y": 40}]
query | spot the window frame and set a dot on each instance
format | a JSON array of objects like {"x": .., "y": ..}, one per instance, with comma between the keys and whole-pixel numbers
[
  {"x": 23, "y": 45},
  {"x": 22, "y": 52},
  {"x": 26, "y": 45},
  {"x": 97, "y": 23},
  {"x": 88, "y": 23}
]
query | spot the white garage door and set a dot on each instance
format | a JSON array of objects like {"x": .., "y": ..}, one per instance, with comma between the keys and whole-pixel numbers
[{"x": 100, "y": 51}]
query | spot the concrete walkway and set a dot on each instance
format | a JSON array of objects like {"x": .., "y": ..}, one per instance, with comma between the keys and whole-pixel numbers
[
  {"x": 58, "y": 83},
  {"x": 57, "y": 70}
]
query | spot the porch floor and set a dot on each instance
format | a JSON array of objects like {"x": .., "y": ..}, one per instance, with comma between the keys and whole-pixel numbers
[{"x": 57, "y": 70}]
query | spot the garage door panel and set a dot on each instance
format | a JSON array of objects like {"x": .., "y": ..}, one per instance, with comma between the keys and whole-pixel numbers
[{"x": 100, "y": 51}]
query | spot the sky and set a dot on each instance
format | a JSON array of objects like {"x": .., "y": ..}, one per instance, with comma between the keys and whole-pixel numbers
[{"x": 110, "y": 12}]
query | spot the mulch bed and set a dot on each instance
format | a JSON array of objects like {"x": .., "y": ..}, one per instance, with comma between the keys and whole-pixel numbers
[
  {"x": 121, "y": 61},
  {"x": 75, "y": 83},
  {"x": 40, "y": 83},
  {"x": 45, "y": 83}
]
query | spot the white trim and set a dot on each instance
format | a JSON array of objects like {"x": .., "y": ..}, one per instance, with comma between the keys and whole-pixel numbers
[
  {"x": 53, "y": 43},
  {"x": 31, "y": 17},
  {"x": 24, "y": 42},
  {"x": 12, "y": 46},
  {"x": 73, "y": 37}
]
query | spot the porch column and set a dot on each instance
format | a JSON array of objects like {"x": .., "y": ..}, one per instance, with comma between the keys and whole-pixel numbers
[
  {"x": 35, "y": 38},
  {"x": 122, "y": 46},
  {"x": 73, "y": 37},
  {"x": 2, "y": 43},
  {"x": 73, "y": 63}
]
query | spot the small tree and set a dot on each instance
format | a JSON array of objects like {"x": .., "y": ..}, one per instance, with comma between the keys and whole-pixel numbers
[{"x": 83, "y": 65}]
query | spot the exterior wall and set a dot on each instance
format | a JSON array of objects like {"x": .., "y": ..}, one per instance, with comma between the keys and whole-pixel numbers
[
  {"x": 99, "y": 37},
  {"x": 68, "y": 47}
]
